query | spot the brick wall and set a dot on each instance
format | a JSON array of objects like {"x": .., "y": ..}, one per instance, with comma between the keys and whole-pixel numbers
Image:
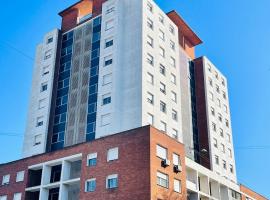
[{"x": 250, "y": 193}]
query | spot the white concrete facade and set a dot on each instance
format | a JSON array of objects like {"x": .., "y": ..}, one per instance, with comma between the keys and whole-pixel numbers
[
  {"x": 219, "y": 121},
  {"x": 35, "y": 137}
]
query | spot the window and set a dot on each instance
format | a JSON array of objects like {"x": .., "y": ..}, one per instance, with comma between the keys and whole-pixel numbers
[
  {"x": 37, "y": 139},
  {"x": 150, "y": 119},
  {"x": 215, "y": 143},
  {"x": 108, "y": 60},
  {"x": 212, "y": 111},
  {"x": 223, "y": 82},
  {"x": 172, "y": 45},
  {"x": 221, "y": 132},
  {"x": 161, "y": 35},
  {"x": 224, "y": 95},
  {"x": 112, "y": 154},
  {"x": 150, "y": 78},
  {"x": 231, "y": 169},
  {"x": 217, "y": 160},
  {"x": 150, "y": 59},
  {"x": 211, "y": 95},
  {"x": 162, "y": 52},
  {"x": 49, "y": 40},
  {"x": 108, "y": 42},
  {"x": 110, "y": 9},
  {"x": 150, "y": 98},
  {"x": 223, "y": 148},
  {"x": 161, "y": 18},
  {"x": 216, "y": 74},
  {"x": 3, "y": 197},
  {"x": 217, "y": 89},
  {"x": 173, "y": 79},
  {"x": 109, "y": 25},
  {"x": 92, "y": 160},
  {"x": 172, "y": 62},
  {"x": 39, "y": 121},
  {"x": 171, "y": 29},
  {"x": 161, "y": 152},
  {"x": 149, "y": 7},
  {"x": 20, "y": 176},
  {"x": 106, "y": 99},
  {"x": 17, "y": 196},
  {"x": 162, "y": 69},
  {"x": 48, "y": 54},
  {"x": 150, "y": 41},
  {"x": 230, "y": 152},
  {"x": 214, "y": 126},
  {"x": 42, "y": 103},
  {"x": 112, "y": 181},
  {"x": 210, "y": 82},
  {"x": 44, "y": 87},
  {"x": 219, "y": 117},
  {"x": 150, "y": 23},
  {"x": 174, "y": 115},
  {"x": 5, "y": 180},
  {"x": 45, "y": 70},
  {"x": 176, "y": 159},
  {"x": 162, "y": 180},
  {"x": 173, "y": 96},
  {"x": 163, "y": 88},
  {"x": 177, "y": 185},
  {"x": 163, "y": 126},
  {"x": 228, "y": 138},
  {"x": 107, "y": 79},
  {"x": 174, "y": 134},
  {"x": 224, "y": 164},
  {"x": 105, "y": 119},
  {"x": 163, "y": 107},
  {"x": 227, "y": 123},
  {"x": 90, "y": 185},
  {"x": 225, "y": 108}
]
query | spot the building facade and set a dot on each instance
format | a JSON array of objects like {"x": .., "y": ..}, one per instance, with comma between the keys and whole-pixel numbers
[{"x": 114, "y": 68}]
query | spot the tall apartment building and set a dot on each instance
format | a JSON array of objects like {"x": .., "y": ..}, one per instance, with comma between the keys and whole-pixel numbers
[{"x": 114, "y": 67}]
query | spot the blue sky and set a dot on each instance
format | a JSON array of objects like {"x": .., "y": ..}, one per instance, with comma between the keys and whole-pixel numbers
[{"x": 236, "y": 37}]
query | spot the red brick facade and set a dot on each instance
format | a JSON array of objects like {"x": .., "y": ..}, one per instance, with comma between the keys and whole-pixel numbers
[
  {"x": 247, "y": 193},
  {"x": 136, "y": 167}
]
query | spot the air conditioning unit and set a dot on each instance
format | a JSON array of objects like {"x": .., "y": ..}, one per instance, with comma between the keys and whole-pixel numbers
[
  {"x": 165, "y": 163},
  {"x": 177, "y": 168}
]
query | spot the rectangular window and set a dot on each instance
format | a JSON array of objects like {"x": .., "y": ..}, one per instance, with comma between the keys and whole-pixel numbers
[
  {"x": 161, "y": 18},
  {"x": 162, "y": 69},
  {"x": 174, "y": 115},
  {"x": 211, "y": 96},
  {"x": 49, "y": 40},
  {"x": 45, "y": 70},
  {"x": 17, "y": 196},
  {"x": 149, "y": 7},
  {"x": 105, "y": 119},
  {"x": 171, "y": 29},
  {"x": 112, "y": 181},
  {"x": 6, "y": 179},
  {"x": 20, "y": 176},
  {"x": 106, "y": 99},
  {"x": 230, "y": 152},
  {"x": 219, "y": 117},
  {"x": 172, "y": 45},
  {"x": 163, "y": 126},
  {"x": 108, "y": 42},
  {"x": 163, "y": 88},
  {"x": 173, "y": 96},
  {"x": 37, "y": 139},
  {"x": 150, "y": 59},
  {"x": 214, "y": 126},
  {"x": 218, "y": 102},
  {"x": 109, "y": 25},
  {"x": 3, "y": 197},
  {"x": 110, "y": 9},
  {"x": 150, "y": 78},
  {"x": 150, "y": 119},
  {"x": 176, "y": 159},
  {"x": 225, "y": 108},
  {"x": 161, "y": 152},
  {"x": 107, "y": 79},
  {"x": 215, "y": 143},
  {"x": 224, "y": 164},
  {"x": 210, "y": 82},
  {"x": 42, "y": 103},
  {"x": 163, "y": 107},
  {"x": 90, "y": 185},
  {"x": 173, "y": 79},
  {"x": 227, "y": 123},
  {"x": 172, "y": 62},
  {"x": 223, "y": 148},
  {"x": 217, "y": 89},
  {"x": 48, "y": 54},
  {"x": 150, "y": 41},
  {"x": 231, "y": 169},
  {"x": 162, "y": 180},
  {"x": 150, "y": 23},
  {"x": 177, "y": 185},
  {"x": 162, "y": 52},
  {"x": 92, "y": 160},
  {"x": 150, "y": 98},
  {"x": 108, "y": 60},
  {"x": 161, "y": 35},
  {"x": 217, "y": 160},
  {"x": 44, "y": 87},
  {"x": 174, "y": 134},
  {"x": 213, "y": 111},
  {"x": 39, "y": 121},
  {"x": 112, "y": 154}
]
